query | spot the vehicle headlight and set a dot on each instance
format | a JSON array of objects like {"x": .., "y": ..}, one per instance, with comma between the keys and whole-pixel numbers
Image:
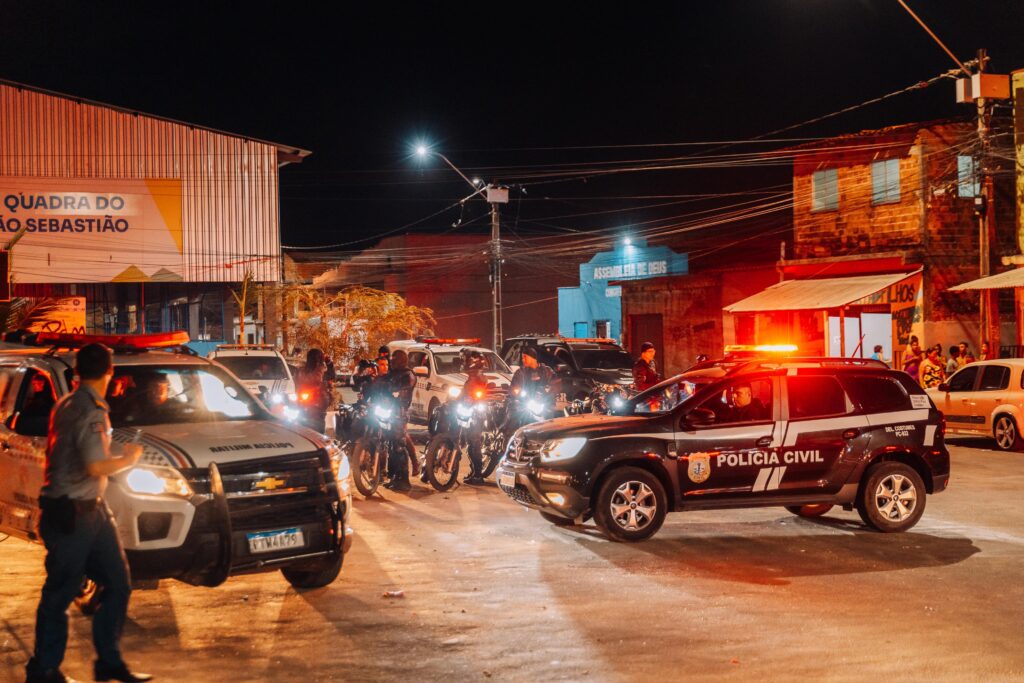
[
  {"x": 157, "y": 481},
  {"x": 293, "y": 397},
  {"x": 561, "y": 449},
  {"x": 277, "y": 398},
  {"x": 291, "y": 413},
  {"x": 481, "y": 407},
  {"x": 382, "y": 413},
  {"x": 454, "y": 392},
  {"x": 464, "y": 411},
  {"x": 534, "y": 407},
  {"x": 617, "y": 401},
  {"x": 342, "y": 468}
]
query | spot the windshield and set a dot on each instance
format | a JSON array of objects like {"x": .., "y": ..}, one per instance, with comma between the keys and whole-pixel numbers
[
  {"x": 158, "y": 394},
  {"x": 603, "y": 359},
  {"x": 255, "y": 367},
  {"x": 665, "y": 397},
  {"x": 450, "y": 362}
]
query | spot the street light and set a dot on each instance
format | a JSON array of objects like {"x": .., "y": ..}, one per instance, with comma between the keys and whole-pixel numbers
[{"x": 494, "y": 196}]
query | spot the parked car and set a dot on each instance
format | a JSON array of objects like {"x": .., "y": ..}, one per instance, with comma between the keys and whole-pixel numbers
[
  {"x": 437, "y": 364},
  {"x": 985, "y": 399},
  {"x": 582, "y": 365},
  {"x": 804, "y": 434},
  {"x": 261, "y": 368},
  {"x": 222, "y": 487}
]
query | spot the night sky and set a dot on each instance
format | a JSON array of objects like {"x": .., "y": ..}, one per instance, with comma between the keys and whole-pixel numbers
[{"x": 489, "y": 83}]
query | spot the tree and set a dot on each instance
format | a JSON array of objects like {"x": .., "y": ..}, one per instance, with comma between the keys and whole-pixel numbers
[
  {"x": 354, "y": 321},
  {"x": 244, "y": 297}
]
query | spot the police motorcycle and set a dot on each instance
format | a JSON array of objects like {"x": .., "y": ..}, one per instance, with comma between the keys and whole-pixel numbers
[
  {"x": 464, "y": 415},
  {"x": 602, "y": 400},
  {"x": 372, "y": 451}
]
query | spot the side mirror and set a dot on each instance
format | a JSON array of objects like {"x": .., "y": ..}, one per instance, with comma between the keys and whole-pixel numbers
[
  {"x": 944, "y": 387},
  {"x": 562, "y": 369},
  {"x": 421, "y": 371},
  {"x": 699, "y": 417}
]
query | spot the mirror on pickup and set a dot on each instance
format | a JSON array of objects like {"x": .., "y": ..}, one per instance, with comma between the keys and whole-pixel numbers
[
  {"x": 698, "y": 417},
  {"x": 421, "y": 371}
]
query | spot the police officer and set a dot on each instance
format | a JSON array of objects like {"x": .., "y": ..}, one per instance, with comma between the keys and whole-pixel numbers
[
  {"x": 401, "y": 382},
  {"x": 77, "y": 528},
  {"x": 644, "y": 374},
  {"x": 310, "y": 381},
  {"x": 474, "y": 391}
]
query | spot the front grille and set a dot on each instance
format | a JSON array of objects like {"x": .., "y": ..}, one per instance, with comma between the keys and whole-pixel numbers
[
  {"x": 521, "y": 449},
  {"x": 519, "y": 494}
]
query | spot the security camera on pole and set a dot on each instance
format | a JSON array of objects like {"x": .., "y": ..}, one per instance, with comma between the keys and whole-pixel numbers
[{"x": 495, "y": 195}]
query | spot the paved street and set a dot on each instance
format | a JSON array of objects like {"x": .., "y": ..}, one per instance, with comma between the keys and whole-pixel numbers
[{"x": 492, "y": 591}]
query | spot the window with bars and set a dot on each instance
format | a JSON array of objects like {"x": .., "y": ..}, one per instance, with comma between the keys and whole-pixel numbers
[
  {"x": 885, "y": 181},
  {"x": 825, "y": 190},
  {"x": 967, "y": 184}
]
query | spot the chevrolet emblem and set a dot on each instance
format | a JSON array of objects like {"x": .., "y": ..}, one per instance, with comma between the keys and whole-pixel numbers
[{"x": 269, "y": 484}]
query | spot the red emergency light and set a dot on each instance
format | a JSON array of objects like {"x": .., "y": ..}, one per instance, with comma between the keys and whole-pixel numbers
[
  {"x": 156, "y": 340},
  {"x": 453, "y": 342}
]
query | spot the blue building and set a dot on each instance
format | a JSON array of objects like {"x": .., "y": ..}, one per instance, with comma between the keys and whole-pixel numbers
[{"x": 594, "y": 309}]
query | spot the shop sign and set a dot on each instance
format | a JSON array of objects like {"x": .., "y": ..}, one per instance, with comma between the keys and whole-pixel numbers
[{"x": 61, "y": 315}]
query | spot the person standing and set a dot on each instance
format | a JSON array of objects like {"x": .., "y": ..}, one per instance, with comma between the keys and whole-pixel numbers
[
  {"x": 878, "y": 354},
  {"x": 78, "y": 529},
  {"x": 314, "y": 398},
  {"x": 932, "y": 372},
  {"x": 985, "y": 354},
  {"x": 644, "y": 373},
  {"x": 953, "y": 364},
  {"x": 912, "y": 359},
  {"x": 401, "y": 382},
  {"x": 966, "y": 356}
]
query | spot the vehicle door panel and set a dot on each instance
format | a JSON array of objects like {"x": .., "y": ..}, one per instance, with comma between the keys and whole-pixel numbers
[
  {"x": 22, "y": 462},
  {"x": 990, "y": 395},
  {"x": 420, "y": 395},
  {"x": 957, "y": 404},
  {"x": 729, "y": 458},
  {"x": 820, "y": 425}
]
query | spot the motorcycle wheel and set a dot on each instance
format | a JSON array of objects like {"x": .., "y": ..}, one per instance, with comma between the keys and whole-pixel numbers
[
  {"x": 492, "y": 451},
  {"x": 367, "y": 469},
  {"x": 442, "y": 462}
]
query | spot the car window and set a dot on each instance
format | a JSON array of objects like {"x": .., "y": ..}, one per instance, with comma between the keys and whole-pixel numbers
[
  {"x": 603, "y": 359},
  {"x": 255, "y": 367},
  {"x": 34, "y": 405},
  {"x": 741, "y": 401},
  {"x": 511, "y": 354},
  {"x": 815, "y": 396},
  {"x": 8, "y": 379},
  {"x": 994, "y": 378},
  {"x": 451, "y": 362},
  {"x": 155, "y": 394},
  {"x": 876, "y": 393},
  {"x": 419, "y": 358},
  {"x": 964, "y": 379}
]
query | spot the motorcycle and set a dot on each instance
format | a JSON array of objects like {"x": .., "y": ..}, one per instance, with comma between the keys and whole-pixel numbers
[
  {"x": 602, "y": 400},
  {"x": 457, "y": 423},
  {"x": 372, "y": 451}
]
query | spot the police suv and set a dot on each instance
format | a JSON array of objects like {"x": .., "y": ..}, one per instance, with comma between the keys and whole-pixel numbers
[
  {"x": 261, "y": 368},
  {"x": 804, "y": 434},
  {"x": 437, "y": 364},
  {"x": 222, "y": 487}
]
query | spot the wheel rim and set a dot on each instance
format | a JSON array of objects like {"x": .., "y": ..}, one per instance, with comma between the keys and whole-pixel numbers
[
  {"x": 1006, "y": 433},
  {"x": 633, "y": 505},
  {"x": 896, "y": 498}
]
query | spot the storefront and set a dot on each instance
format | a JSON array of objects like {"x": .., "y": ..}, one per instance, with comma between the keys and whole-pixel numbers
[
  {"x": 839, "y": 316},
  {"x": 143, "y": 220},
  {"x": 594, "y": 309}
]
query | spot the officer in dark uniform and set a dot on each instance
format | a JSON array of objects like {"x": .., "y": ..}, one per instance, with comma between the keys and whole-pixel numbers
[
  {"x": 474, "y": 391},
  {"x": 401, "y": 382},
  {"x": 644, "y": 374},
  {"x": 77, "y": 528}
]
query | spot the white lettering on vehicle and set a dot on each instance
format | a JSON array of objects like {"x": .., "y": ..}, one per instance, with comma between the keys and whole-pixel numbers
[{"x": 759, "y": 458}]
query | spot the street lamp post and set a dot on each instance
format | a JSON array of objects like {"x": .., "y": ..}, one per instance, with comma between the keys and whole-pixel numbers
[{"x": 494, "y": 196}]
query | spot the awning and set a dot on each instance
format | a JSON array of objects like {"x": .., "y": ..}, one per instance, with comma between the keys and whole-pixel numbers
[
  {"x": 1007, "y": 280},
  {"x": 803, "y": 295}
]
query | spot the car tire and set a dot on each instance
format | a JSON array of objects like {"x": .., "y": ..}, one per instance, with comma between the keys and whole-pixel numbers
[
  {"x": 630, "y": 489},
  {"x": 875, "y": 502},
  {"x": 809, "y": 511},
  {"x": 315, "y": 575},
  {"x": 1006, "y": 434},
  {"x": 558, "y": 520}
]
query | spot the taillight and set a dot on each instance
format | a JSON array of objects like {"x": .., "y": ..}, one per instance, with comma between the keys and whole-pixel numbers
[
  {"x": 941, "y": 430},
  {"x": 479, "y": 394},
  {"x": 304, "y": 396}
]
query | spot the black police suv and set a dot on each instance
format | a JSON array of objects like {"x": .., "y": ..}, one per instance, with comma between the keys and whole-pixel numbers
[
  {"x": 581, "y": 365},
  {"x": 804, "y": 434}
]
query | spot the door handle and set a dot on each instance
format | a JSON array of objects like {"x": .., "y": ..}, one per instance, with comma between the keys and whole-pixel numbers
[
  {"x": 763, "y": 442},
  {"x": 851, "y": 434}
]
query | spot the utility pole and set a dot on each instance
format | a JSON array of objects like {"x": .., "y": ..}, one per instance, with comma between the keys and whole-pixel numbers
[
  {"x": 496, "y": 195},
  {"x": 984, "y": 262}
]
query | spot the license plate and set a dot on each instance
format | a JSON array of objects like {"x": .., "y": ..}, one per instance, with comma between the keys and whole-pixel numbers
[
  {"x": 507, "y": 479},
  {"x": 272, "y": 541}
]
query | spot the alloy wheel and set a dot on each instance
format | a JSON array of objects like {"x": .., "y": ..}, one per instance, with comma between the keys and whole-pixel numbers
[
  {"x": 1005, "y": 433},
  {"x": 896, "y": 497},
  {"x": 633, "y": 505}
]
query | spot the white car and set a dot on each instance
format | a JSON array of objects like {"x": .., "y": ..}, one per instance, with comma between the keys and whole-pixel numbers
[
  {"x": 261, "y": 368},
  {"x": 437, "y": 364},
  {"x": 222, "y": 487},
  {"x": 985, "y": 398}
]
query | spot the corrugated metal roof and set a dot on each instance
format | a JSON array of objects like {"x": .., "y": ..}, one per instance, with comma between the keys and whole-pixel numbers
[
  {"x": 1007, "y": 280},
  {"x": 802, "y": 295}
]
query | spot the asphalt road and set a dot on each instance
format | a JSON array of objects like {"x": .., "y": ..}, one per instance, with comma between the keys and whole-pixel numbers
[{"x": 493, "y": 591}]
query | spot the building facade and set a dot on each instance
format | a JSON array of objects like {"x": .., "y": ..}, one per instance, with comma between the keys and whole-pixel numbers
[{"x": 144, "y": 219}]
